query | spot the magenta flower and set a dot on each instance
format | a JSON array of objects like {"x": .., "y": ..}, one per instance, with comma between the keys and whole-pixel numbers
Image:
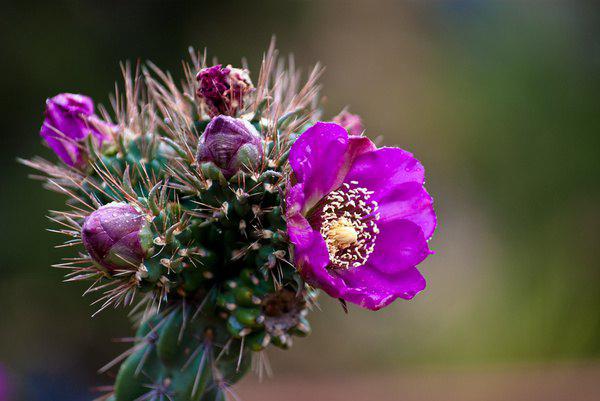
[
  {"x": 351, "y": 122},
  {"x": 223, "y": 89},
  {"x": 116, "y": 236},
  {"x": 69, "y": 119},
  {"x": 358, "y": 216}
]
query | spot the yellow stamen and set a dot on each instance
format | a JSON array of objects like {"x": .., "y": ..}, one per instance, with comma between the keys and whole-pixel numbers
[
  {"x": 343, "y": 234},
  {"x": 349, "y": 226}
]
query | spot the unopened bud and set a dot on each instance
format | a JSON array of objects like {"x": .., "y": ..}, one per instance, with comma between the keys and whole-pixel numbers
[
  {"x": 223, "y": 89},
  {"x": 69, "y": 120},
  {"x": 231, "y": 144},
  {"x": 117, "y": 236},
  {"x": 351, "y": 122}
]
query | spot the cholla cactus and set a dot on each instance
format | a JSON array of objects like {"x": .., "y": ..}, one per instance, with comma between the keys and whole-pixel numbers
[{"x": 217, "y": 210}]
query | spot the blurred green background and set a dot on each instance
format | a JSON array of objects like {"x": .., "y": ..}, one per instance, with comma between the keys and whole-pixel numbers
[{"x": 501, "y": 102}]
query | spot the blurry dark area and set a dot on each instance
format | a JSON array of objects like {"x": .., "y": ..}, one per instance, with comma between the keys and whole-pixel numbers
[{"x": 499, "y": 100}]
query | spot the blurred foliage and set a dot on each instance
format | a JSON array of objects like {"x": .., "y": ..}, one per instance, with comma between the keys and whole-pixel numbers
[
  {"x": 527, "y": 97},
  {"x": 499, "y": 100}
]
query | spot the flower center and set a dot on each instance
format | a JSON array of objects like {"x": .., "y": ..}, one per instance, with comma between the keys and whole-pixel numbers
[
  {"x": 342, "y": 234},
  {"x": 348, "y": 224}
]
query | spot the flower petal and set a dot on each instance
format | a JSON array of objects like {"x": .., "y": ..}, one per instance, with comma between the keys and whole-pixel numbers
[
  {"x": 126, "y": 251},
  {"x": 67, "y": 122},
  {"x": 408, "y": 201},
  {"x": 317, "y": 157},
  {"x": 400, "y": 245},
  {"x": 312, "y": 259},
  {"x": 322, "y": 156},
  {"x": 390, "y": 271},
  {"x": 378, "y": 169},
  {"x": 371, "y": 289},
  {"x": 396, "y": 178},
  {"x": 310, "y": 251},
  {"x": 66, "y": 148},
  {"x": 294, "y": 199},
  {"x": 357, "y": 145},
  {"x": 65, "y": 112},
  {"x": 102, "y": 130}
]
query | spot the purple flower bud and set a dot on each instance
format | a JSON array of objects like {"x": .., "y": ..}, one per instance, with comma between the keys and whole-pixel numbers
[
  {"x": 230, "y": 143},
  {"x": 69, "y": 119},
  {"x": 351, "y": 122},
  {"x": 223, "y": 89},
  {"x": 117, "y": 236}
]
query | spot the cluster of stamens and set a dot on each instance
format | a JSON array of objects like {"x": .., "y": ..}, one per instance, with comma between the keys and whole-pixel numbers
[{"x": 349, "y": 225}]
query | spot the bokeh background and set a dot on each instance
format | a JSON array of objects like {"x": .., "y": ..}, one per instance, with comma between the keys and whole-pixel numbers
[{"x": 501, "y": 102}]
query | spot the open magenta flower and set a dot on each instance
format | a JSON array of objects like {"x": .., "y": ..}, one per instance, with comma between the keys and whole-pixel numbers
[
  {"x": 359, "y": 217},
  {"x": 69, "y": 119},
  {"x": 223, "y": 89},
  {"x": 117, "y": 236}
]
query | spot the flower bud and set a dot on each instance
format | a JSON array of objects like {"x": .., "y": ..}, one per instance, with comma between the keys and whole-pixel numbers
[
  {"x": 351, "y": 122},
  {"x": 117, "y": 236},
  {"x": 223, "y": 89},
  {"x": 69, "y": 119},
  {"x": 230, "y": 143}
]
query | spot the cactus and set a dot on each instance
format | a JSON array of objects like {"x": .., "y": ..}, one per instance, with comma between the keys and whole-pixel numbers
[
  {"x": 216, "y": 210},
  {"x": 181, "y": 357},
  {"x": 197, "y": 248}
]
